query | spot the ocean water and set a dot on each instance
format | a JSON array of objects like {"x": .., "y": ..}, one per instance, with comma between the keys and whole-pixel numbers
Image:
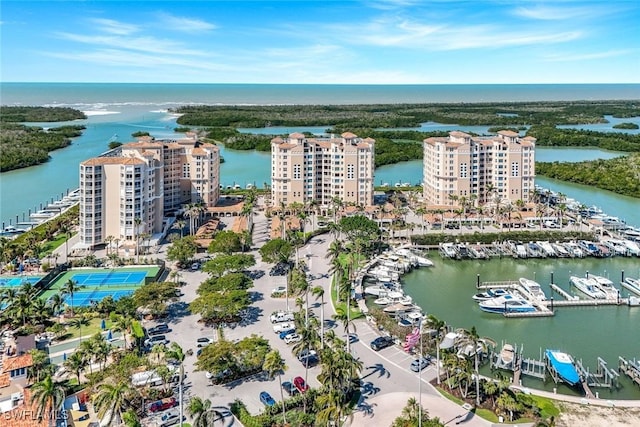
[{"x": 115, "y": 111}]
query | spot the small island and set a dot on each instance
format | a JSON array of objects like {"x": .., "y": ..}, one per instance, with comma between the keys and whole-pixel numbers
[{"x": 626, "y": 125}]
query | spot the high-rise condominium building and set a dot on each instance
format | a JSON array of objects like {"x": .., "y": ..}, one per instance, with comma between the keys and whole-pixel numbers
[
  {"x": 321, "y": 169},
  {"x": 126, "y": 192},
  {"x": 464, "y": 166}
]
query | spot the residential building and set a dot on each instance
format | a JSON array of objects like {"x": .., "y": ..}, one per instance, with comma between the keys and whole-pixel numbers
[
  {"x": 126, "y": 192},
  {"x": 462, "y": 166},
  {"x": 322, "y": 169}
]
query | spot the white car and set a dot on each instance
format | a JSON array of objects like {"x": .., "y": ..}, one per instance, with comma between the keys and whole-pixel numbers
[
  {"x": 281, "y": 316},
  {"x": 281, "y": 327},
  {"x": 279, "y": 290},
  {"x": 291, "y": 338}
]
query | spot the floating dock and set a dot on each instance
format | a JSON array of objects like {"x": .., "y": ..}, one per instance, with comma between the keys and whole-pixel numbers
[{"x": 630, "y": 368}]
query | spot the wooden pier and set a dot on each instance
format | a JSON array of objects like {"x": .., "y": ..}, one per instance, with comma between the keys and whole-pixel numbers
[
  {"x": 537, "y": 313},
  {"x": 564, "y": 293},
  {"x": 586, "y": 302},
  {"x": 630, "y": 368}
]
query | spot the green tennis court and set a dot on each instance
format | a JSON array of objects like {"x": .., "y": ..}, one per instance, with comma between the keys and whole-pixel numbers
[{"x": 96, "y": 284}]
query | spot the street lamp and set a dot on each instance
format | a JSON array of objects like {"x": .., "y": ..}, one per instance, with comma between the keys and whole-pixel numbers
[{"x": 420, "y": 380}]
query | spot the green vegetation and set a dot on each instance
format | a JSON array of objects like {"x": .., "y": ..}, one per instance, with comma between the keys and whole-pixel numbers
[
  {"x": 626, "y": 125},
  {"x": 140, "y": 134},
  {"x": 15, "y": 114},
  {"x": 549, "y": 136},
  {"x": 620, "y": 175},
  {"x": 23, "y": 146},
  {"x": 407, "y": 115}
]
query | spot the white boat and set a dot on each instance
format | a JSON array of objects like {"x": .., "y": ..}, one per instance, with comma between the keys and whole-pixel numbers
[
  {"x": 605, "y": 286},
  {"x": 575, "y": 250},
  {"x": 560, "y": 250},
  {"x": 383, "y": 301},
  {"x": 414, "y": 258},
  {"x": 376, "y": 290},
  {"x": 532, "y": 289},
  {"x": 547, "y": 248},
  {"x": 490, "y": 293},
  {"x": 506, "y": 304},
  {"x": 563, "y": 364},
  {"x": 399, "y": 309},
  {"x": 521, "y": 251},
  {"x": 586, "y": 287},
  {"x": 617, "y": 246},
  {"x": 42, "y": 214},
  {"x": 632, "y": 247},
  {"x": 507, "y": 355},
  {"x": 478, "y": 252},
  {"x": 632, "y": 284},
  {"x": 448, "y": 250}
]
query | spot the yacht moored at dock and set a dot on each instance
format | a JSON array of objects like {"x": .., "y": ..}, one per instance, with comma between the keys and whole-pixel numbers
[
  {"x": 586, "y": 287},
  {"x": 632, "y": 284},
  {"x": 506, "y": 304},
  {"x": 532, "y": 289},
  {"x": 563, "y": 365}
]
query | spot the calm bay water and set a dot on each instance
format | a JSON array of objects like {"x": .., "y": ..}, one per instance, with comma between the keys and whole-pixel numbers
[{"x": 445, "y": 290}]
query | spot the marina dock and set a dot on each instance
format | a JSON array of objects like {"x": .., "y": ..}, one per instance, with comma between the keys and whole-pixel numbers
[{"x": 630, "y": 368}]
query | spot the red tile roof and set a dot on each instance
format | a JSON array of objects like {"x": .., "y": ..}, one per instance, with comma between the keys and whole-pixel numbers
[{"x": 16, "y": 362}]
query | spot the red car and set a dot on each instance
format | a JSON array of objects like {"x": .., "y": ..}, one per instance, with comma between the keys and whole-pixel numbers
[
  {"x": 162, "y": 404},
  {"x": 300, "y": 384}
]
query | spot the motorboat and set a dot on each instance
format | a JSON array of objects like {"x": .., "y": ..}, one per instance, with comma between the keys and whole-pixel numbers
[
  {"x": 589, "y": 247},
  {"x": 506, "y": 304},
  {"x": 507, "y": 355},
  {"x": 412, "y": 318},
  {"x": 532, "y": 288},
  {"x": 449, "y": 340},
  {"x": 560, "y": 250},
  {"x": 632, "y": 284},
  {"x": 564, "y": 366},
  {"x": 605, "y": 285},
  {"x": 587, "y": 287},
  {"x": 478, "y": 252},
  {"x": 632, "y": 247},
  {"x": 547, "y": 248},
  {"x": 489, "y": 294},
  {"x": 574, "y": 250},
  {"x": 383, "y": 301},
  {"x": 400, "y": 309},
  {"x": 419, "y": 260},
  {"x": 616, "y": 246},
  {"x": 448, "y": 250}
]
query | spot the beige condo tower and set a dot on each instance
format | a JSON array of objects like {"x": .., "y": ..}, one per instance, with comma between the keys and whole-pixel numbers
[
  {"x": 305, "y": 169},
  {"x": 484, "y": 168},
  {"x": 126, "y": 192}
]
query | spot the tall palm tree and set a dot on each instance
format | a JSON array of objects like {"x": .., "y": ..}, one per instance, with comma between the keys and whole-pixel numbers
[
  {"x": 478, "y": 345},
  {"x": 174, "y": 352},
  {"x": 76, "y": 363},
  {"x": 318, "y": 292},
  {"x": 439, "y": 326},
  {"x": 113, "y": 400},
  {"x": 274, "y": 364},
  {"x": 65, "y": 228},
  {"x": 136, "y": 236},
  {"x": 342, "y": 315},
  {"x": 70, "y": 288},
  {"x": 47, "y": 396},
  {"x": 122, "y": 324},
  {"x": 56, "y": 303}
]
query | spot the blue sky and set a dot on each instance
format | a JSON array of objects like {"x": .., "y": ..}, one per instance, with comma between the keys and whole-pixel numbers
[{"x": 350, "y": 42}]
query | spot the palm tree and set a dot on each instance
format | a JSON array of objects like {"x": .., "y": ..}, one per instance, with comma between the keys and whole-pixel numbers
[
  {"x": 318, "y": 292},
  {"x": 180, "y": 224},
  {"x": 174, "y": 352},
  {"x": 439, "y": 326},
  {"x": 421, "y": 211},
  {"x": 478, "y": 344},
  {"x": 274, "y": 364},
  {"x": 76, "y": 363},
  {"x": 122, "y": 324},
  {"x": 70, "y": 288},
  {"x": 136, "y": 235},
  {"x": 342, "y": 315},
  {"x": 55, "y": 303},
  {"x": 65, "y": 229},
  {"x": 113, "y": 400},
  {"x": 47, "y": 396},
  {"x": 201, "y": 412}
]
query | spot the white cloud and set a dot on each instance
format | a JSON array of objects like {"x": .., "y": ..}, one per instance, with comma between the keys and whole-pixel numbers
[
  {"x": 113, "y": 27},
  {"x": 561, "y": 13},
  {"x": 142, "y": 44},
  {"x": 586, "y": 56},
  {"x": 183, "y": 24}
]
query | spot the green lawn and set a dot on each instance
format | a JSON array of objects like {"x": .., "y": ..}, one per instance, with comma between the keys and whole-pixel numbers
[
  {"x": 87, "y": 331},
  {"x": 342, "y": 305}
]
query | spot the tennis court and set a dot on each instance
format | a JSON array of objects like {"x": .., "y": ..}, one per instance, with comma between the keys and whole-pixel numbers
[
  {"x": 13, "y": 281},
  {"x": 96, "y": 284}
]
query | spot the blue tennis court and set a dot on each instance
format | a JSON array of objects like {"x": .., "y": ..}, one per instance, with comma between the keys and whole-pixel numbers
[
  {"x": 11, "y": 282},
  {"x": 110, "y": 278},
  {"x": 84, "y": 298}
]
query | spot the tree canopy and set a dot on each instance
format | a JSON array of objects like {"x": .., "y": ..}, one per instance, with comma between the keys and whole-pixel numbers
[{"x": 276, "y": 250}]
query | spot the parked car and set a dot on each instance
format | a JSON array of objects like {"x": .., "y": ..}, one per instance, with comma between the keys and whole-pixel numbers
[
  {"x": 162, "y": 404},
  {"x": 289, "y": 388},
  {"x": 419, "y": 364},
  {"x": 281, "y": 316},
  {"x": 283, "y": 334},
  {"x": 266, "y": 399},
  {"x": 156, "y": 339},
  {"x": 381, "y": 342},
  {"x": 160, "y": 328},
  {"x": 280, "y": 290},
  {"x": 169, "y": 418},
  {"x": 281, "y": 327},
  {"x": 300, "y": 384},
  {"x": 308, "y": 358},
  {"x": 280, "y": 269},
  {"x": 204, "y": 341},
  {"x": 292, "y": 338}
]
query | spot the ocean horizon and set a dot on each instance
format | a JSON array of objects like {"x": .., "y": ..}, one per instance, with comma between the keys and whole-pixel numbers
[{"x": 96, "y": 96}]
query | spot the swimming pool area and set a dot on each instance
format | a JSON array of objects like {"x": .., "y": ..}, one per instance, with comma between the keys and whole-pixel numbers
[{"x": 16, "y": 281}]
